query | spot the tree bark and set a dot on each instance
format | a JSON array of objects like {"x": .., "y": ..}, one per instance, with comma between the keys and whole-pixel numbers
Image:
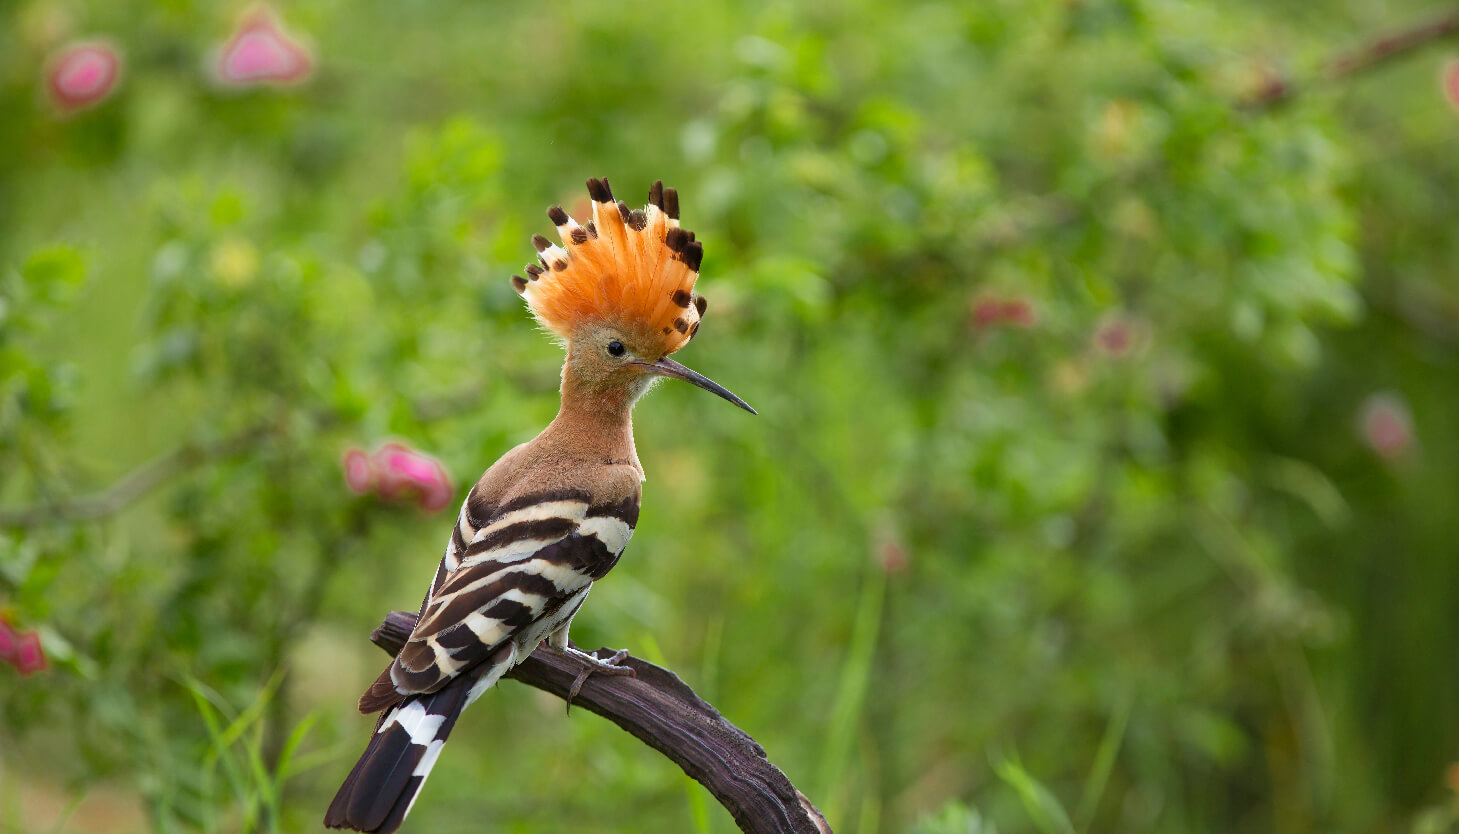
[{"x": 664, "y": 713}]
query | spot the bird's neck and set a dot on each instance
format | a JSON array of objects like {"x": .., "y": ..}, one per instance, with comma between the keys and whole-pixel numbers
[{"x": 595, "y": 422}]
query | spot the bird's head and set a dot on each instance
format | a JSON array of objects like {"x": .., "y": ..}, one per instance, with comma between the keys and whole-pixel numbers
[{"x": 619, "y": 292}]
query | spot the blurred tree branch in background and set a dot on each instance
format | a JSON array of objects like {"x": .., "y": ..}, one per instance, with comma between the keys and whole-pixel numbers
[
  {"x": 1279, "y": 89},
  {"x": 163, "y": 468},
  {"x": 136, "y": 483},
  {"x": 663, "y": 712}
]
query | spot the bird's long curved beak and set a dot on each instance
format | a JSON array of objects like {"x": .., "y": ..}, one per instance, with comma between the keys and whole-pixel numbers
[{"x": 670, "y": 368}]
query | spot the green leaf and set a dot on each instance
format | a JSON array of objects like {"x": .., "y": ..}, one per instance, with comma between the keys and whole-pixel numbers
[
  {"x": 1042, "y": 807},
  {"x": 52, "y": 274}
]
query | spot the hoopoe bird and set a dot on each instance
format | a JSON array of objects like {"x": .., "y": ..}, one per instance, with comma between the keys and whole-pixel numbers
[{"x": 554, "y": 514}]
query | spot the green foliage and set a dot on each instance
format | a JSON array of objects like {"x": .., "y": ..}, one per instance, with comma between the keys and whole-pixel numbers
[
  {"x": 1127, "y": 530},
  {"x": 954, "y": 819},
  {"x": 1042, "y": 807}
]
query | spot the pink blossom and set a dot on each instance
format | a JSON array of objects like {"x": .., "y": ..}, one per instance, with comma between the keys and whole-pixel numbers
[
  {"x": 893, "y": 557},
  {"x": 21, "y": 649},
  {"x": 9, "y": 642},
  {"x": 1119, "y": 335},
  {"x": 1009, "y": 312},
  {"x": 986, "y": 313},
  {"x": 29, "y": 656},
  {"x": 359, "y": 472},
  {"x": 83, "y": 74},
  {"x": 1114, "y": 338},
  {"x": 1386, "y": 425},
  {"x": 261, "y": 52},
  {"x": 406, "y": 472},
  {"x": 1019, "y": 312},
  {"x": 1449, "y": 83},
  {"x": 396, "y": 472}
]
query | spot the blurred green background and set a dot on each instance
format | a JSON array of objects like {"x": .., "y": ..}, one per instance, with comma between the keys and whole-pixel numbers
[{"x": 1106, "y": 465}]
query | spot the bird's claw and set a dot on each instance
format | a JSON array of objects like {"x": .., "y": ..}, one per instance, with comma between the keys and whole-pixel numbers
[{"x": 592, "y": 663}]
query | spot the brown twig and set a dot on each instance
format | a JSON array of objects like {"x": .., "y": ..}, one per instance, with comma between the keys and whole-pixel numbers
[
  {"x": 664, "y": 713},
  {"x": 1279, "y": 89}
]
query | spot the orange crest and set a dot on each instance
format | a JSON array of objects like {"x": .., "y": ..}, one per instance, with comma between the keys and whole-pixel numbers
[{"x": 634, "y": 269}]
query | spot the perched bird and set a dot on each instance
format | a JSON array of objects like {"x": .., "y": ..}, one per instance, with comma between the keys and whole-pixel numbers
[{"x": 554, "y": 514}]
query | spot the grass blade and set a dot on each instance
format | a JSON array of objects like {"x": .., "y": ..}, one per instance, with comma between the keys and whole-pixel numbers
[
  {"x": 1104, "y": 762},
  {"x": 1039, "y": 802},
  {"x": 851, "y": 691}
]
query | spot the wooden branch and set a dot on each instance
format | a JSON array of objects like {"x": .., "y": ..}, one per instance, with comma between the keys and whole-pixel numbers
[
  {"x": 1380, "y": 50},
  {"x": 664, "y": 713}
]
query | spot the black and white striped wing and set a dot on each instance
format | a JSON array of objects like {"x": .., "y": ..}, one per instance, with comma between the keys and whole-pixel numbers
[
  {"x": 504, "y": 587},
  {"x": 511, "y": 576}
]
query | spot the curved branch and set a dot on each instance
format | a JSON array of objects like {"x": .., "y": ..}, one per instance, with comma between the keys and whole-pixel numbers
[
  {"x": 1279, "y": 89},
  {"x": 664, "y": 713}
]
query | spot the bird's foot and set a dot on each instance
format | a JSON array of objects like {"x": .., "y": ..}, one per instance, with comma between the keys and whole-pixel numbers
[{"x": 591, "y": 664}]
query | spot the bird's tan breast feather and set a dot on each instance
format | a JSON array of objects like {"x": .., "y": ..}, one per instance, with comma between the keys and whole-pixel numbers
[{"x": 525, "y": 477}]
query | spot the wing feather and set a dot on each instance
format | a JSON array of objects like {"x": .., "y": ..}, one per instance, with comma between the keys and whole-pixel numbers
[{"x": 506, "y": 580}]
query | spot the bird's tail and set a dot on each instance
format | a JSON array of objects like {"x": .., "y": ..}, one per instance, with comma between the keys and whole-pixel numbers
[{"x": 380, "y": 790}]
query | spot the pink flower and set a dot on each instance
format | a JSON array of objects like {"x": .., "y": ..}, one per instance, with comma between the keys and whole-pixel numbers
[
  {"x": 1119, "y": 335},
  {"x": 1386, "y": 425},
  {"x": 21, "y": 650},
  {"x": 359, "y": 472},
  {"x": 29, "y": 656},
  {"x": 396, "y": 472},
  {"x": 405, "y": 472},
  {"x": 9, "y": 642},
  {"x": 1009, "y": 312},
  {"x": 1114, "y": 338},
  {"x": 1449, "y": 83},
  {"x": 261, "y": 52},
  {"x": 1019, "y": 312},
  {"x": 83, "y": 74},
  {"x": 893, "y": 557},
  {"x": 986, "y": 313}
]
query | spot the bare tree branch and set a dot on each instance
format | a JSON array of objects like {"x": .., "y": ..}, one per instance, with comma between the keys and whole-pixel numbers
[
  {"x": 664, "y": 713},
  {"x": 1375, "y": 52}
]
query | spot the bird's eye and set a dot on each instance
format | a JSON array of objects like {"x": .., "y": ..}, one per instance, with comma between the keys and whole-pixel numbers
[{"x": 616, "y": 348}]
